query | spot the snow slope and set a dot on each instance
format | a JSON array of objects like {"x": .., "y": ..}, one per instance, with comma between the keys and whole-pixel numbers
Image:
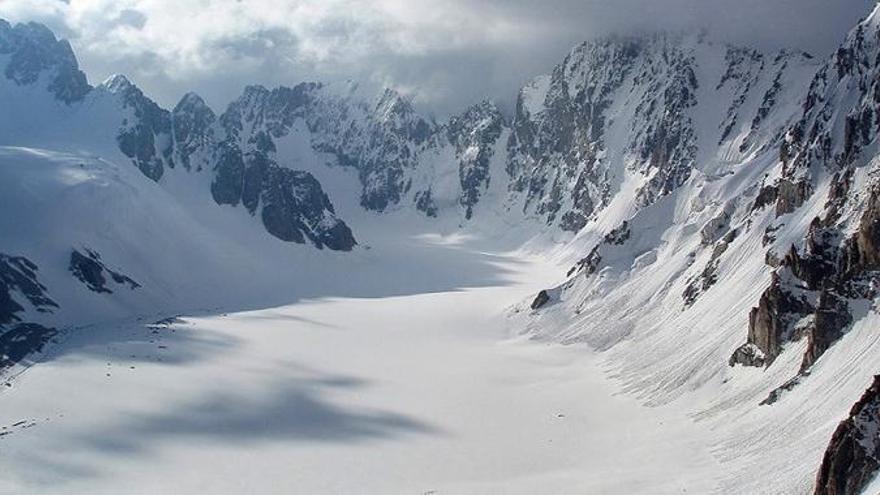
[
  {"x": 175, "y": 247},
  {"x": 746, "y": 294},
  {"x": 415, "y": 392}
]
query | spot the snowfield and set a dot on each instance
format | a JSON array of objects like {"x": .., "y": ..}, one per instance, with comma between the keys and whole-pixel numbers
[{"x": 420, "y": 389}]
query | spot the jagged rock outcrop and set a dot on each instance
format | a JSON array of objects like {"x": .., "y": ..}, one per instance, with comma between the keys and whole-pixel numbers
[
  {"x": 863, "y": 251},
  {"x": 791, "y": 195},
  {"x": 424, "y": 201},
  {"x": 379, "y": 140},
  {"x": 831, "y": 317},
  {"x": 295, "y": 207},
  {"x": 835, "y": 267},
  {"x": 91, "y": 271},
  {"x": 145, "y": 133},
  {"x": 558, "y": 132},
  {"x": 19, "y": 285},
  {"x": 192, "y": 124},
  {"x": 852, "y": 457},
  {"x": 473, "y": 135},
  {"x": 22, "y": 340},
  {"x": 810, "y": 296},
  {"x": 18, "y": 277},
  {"x": 589, "y": 264},
  {"x": 842, "y": 95},
  {"x": 667, "y": 147},
  {"x": 772, "y": 322},
  {"x": 540, "y": 300},
  {"x": 155, "y": 140},
  {"x": 33, "y": 51},
  {"x": 716, "y": 228},
  {"x": 767, "y": 195},
  {"x": 709, "y": 276}
]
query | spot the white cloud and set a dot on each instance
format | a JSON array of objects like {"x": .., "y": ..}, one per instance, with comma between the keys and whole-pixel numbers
[{"x": 448, "y": 52}]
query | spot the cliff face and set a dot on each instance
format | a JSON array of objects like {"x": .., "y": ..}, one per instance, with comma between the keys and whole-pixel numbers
[
  {"x": 35, "y": 53},
  {"x": 853, "y": 456}
]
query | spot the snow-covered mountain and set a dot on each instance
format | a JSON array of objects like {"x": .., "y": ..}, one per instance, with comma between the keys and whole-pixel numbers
[
  {"x": 719, "y": 207},
  {"x": 743, "y": 260}
]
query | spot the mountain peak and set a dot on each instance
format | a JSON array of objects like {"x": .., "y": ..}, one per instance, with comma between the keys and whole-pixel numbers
[
  {"x": 190, "y": 101},
  {"x": 393, "y": 103},
  {"x": 117, "y": 83},
  {"x": 35, "y": 54},
  {"x": 34, "y": 31}
]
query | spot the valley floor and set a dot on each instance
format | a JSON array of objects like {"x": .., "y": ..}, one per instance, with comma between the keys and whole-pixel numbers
[{"x": 422, "y": 390}]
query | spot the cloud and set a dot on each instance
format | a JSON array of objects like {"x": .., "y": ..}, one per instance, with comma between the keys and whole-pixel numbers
[{"x": 447, "y": 53}]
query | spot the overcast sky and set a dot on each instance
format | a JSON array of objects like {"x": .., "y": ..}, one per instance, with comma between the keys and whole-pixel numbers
[{"x": 447, "y": 53}]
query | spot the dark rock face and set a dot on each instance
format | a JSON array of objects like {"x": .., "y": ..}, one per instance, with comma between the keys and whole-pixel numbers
[
  {"x": 146, "y": 138},
  {"x": 33, "y": 51},
  {"x": 669, "y": 145},
  {"x": 832, "y": 271},
  {"x": 716, "y": 229},
  {"x": 425, "y": 203},
  {"x": 838, "y": 195},
  {"x": 257, "y": 166},
  {"x": 817, "y": 266},
  {"x": 19, "y": 275},
  {"x": 21, "y": 340},
  {"x": 563, "y": 143},
  {"x": 191, "y": 122},
  {"x": 832, "y": 316},
  {"x": 474, "y": 134},
  {"x": 814, "y": 141},
  {"x": 852, "y": 457},
  {"x": 865, "y": 248},
  {"x": 790, "y": 196},
  {"x": 228, "y": 180},
  {"x": 709, "y": 276},
  {"x": 771, "y": 324},
  {"x": 834, "y": 268},
  {"x": 381, "y": 141},
  {"x": 388, "y": 147},
  {"x": 91, "y": 271},
  {"x": 291, "y": 204},
  {"x": 766, "y": 196},
  {"x": 781, "y": 390},
  {"x": 540, "y": 300},
  {"x": 747, "y": 355},
  {"x": 295, "y": 206},
  {"x": 743, "y": 69},
  {"x": 590, "y": 264},
  {"x": 841, "y": 270}
]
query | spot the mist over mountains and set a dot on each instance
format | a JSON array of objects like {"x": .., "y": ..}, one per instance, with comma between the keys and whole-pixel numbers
[{"x": 446, "y": 55}]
